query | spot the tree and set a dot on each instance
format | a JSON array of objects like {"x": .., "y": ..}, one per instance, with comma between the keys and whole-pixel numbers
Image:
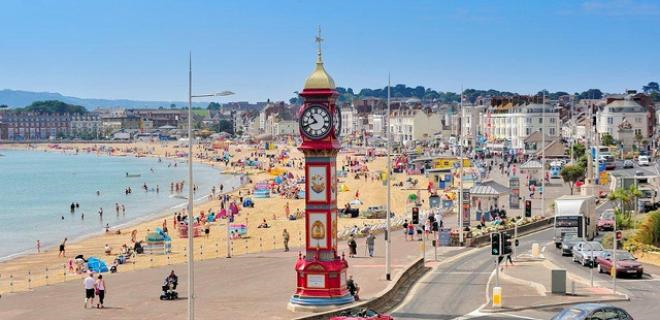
[
  {"x": 213, "y": 106},
  {"x": 578, "y": 150},
  {"x": 572, "y": 174},
  {"x": 607, "y": 140},
  {"x": 652, "y": 87},
  {"x": 591, "y": 94},
  {"x": 224, "y": 126},
  {"x": 172, "y": 106},
  {"x": 53, "y": 106},
  {"x": 625, "y": 199},
  {"x": 4, "y": 106}
]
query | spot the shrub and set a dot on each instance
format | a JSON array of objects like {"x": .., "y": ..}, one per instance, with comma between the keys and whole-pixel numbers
[{"x": 649, "y": 230}]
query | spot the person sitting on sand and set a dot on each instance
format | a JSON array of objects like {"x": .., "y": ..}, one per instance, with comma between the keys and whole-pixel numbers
[
  {"x": 107, "y": 249},
  {"x": 264, "y": 224}
]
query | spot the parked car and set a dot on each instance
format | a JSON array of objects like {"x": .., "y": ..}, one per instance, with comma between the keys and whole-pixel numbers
[
  {"x": 585, "y": 311},
  {"x": 606, "y": 220},
  {"x": 567, "y": 243},
  {"x": 363, "y": 314},
  {"x": 586, "y": 252},
  {"x": 625, "y": 264},
  {"x": 643, "y": 161},
  {"x": 627, "y": 164},
  {"x": 375, "y": 212}
]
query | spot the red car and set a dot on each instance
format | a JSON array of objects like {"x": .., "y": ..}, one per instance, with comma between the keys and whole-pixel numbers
[
  {"x": 364, "y": 314},
  {"x": 606, "y": 220},
  {"x": 625, "y": 264}
]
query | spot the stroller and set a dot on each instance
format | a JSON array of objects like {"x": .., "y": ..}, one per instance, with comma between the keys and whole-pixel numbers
[{"x": 168, "y": 290}]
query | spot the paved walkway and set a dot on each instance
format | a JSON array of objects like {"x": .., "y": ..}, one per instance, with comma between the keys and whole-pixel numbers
[
  {"x": 255, "y": 286},
  {"x": 528, "y": 285}
]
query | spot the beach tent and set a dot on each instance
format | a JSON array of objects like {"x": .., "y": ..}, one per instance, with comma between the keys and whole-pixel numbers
[{"x": 97, "y": 265}]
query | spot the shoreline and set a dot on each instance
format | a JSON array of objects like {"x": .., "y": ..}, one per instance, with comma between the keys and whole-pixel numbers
[{"x": 151, "y": 217}]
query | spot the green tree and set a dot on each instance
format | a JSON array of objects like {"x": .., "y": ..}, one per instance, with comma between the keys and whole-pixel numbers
[
  {"x": 224, "y": 126},
  {"x": 4, "y": 106},
  {"x": 53, "y": 106},
  {"x": 607, "y": 140},
  {"x": 578, "y": 150},
  {"x": 571, "y": 174},
  {"x": 652, "y": 87},
  {"x": 172, "y": 106},
  {"x": 625, "y": 200},
  {"x": 213, "y": 106}
]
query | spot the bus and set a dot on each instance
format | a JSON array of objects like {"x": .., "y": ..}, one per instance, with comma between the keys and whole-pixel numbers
[{"x": 575, "y": 215}]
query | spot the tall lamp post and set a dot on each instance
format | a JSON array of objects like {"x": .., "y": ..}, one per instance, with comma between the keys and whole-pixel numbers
[
  {"x": 191, "y": 277},
  {"x": 388, "y": 127}
]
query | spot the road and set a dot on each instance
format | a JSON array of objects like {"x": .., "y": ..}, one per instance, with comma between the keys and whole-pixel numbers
[{"x": 458, "y": 288}]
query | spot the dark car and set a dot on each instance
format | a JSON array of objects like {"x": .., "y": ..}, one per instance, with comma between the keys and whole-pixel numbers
[
  {"x": 567, "y": 243},
  {"x": 606, "y": 220},
  {"x": 364, "y": 314},
  {"x": 626, "y": 264},
  {"x": 585, "y": 311}
]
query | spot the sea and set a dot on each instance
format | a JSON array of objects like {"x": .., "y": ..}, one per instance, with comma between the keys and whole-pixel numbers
[{"x": 37, "y": 189}]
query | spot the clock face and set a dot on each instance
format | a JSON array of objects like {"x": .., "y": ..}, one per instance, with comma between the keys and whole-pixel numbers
[
  {"x": 337, "y": 121},
  {"x": 315, "y": 122}
]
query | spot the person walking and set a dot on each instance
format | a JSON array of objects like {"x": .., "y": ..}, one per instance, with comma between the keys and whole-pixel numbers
[
  {"x": 100, "y": 291},
  {"x": 89, "y": 284},
  {"x": 352, "y": 246},
  {"x": 62, "y": 249},
  {"x": 285, "y": 238},
  {"x": 371, "y": 241}
]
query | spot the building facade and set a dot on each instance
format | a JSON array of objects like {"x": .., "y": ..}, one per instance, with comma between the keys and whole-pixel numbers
[
  {"x": 35, "y": 126},
  {"x": 610, "y": 117},
  {"x": 413, "y": 125},
  {"x": 512, "y": 121}
]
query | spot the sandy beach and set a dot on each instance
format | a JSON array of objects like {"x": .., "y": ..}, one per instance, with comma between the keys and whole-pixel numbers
[{"x": 33, "y": 270}]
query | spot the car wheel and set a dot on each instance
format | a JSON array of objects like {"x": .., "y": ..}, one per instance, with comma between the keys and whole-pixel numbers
[{"x": 584, "y": 262}]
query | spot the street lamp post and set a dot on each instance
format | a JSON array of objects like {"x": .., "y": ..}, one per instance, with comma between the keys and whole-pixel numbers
[
  {"x": 191, "y": 277},
  {"x": 388, "y": 127}
]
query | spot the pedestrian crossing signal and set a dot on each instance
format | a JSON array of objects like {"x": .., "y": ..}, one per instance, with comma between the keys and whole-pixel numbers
[
  {"x": 496, "y": 247},
  {"x": 506, "y": 243},
  {"x": 528, "y": 208}
]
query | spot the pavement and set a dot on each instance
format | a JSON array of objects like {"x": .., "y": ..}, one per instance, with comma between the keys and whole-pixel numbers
[
  {"x": 254, "y": 286},
  {"x": 527, "y": 285}
]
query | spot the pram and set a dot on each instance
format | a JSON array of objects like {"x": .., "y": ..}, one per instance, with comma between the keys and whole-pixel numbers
[{"x": 168, "y": 290}]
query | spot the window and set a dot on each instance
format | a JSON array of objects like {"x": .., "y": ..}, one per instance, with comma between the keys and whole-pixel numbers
[
  {"x": 528, "y": 131},
  {"x": 552, "y": 131},
  {"x": 610, "y": 120},
  {"x": 638, "y": 132},
  {"x": 528, "y": 120},
  {"x": 553, "y": 120},
  {"x": 638, "y": 119},
  {"x": 540, "y": 120}
]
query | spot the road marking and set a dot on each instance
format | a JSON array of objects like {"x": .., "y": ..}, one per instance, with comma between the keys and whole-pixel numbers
[{"x": 424, "y": 280}]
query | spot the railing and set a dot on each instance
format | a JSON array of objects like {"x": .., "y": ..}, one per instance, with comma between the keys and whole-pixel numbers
[{"x": 205, "y": 249}]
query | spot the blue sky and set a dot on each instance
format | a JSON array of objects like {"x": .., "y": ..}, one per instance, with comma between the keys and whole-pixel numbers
[{"x": 265, "y": 49}]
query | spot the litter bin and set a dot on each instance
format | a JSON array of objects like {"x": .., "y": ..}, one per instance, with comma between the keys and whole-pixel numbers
[{"x": 558, "y": 281}]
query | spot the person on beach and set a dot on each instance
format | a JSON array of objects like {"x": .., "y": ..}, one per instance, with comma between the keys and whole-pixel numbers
[
  {"x": 62, "y": 248},
  {"x": 100, "y": 291},
  {"x": 89, "y": 284},
  {"x": 38, "y": 246},
  {"x": 73, "y": 207},
  {"x": 285, "y": 238}
]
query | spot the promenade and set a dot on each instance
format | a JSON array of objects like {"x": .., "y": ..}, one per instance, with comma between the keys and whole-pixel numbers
[{"x": 252, "y": 286}]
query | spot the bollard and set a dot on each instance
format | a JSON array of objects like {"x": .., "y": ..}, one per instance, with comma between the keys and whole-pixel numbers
[
  {"x": 46, "y": 275},
  {"x": 497, "y": 297},
  {"x": 29, "y": 280},
  {"x": 201, "y": 252},
  {"x": 11, "y": 283},
  {"x": 261, "y": 245},
  {"x": 535, "y": 250}
]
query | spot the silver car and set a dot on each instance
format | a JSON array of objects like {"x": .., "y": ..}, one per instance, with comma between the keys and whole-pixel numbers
[{"x": 586, "y": 252}]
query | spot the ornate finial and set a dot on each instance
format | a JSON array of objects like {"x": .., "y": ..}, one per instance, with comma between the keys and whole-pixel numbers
[{"x": 318, "y": 42}]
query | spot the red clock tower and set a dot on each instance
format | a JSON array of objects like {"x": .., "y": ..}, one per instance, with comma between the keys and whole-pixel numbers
[{"x": 320, "y": 272}]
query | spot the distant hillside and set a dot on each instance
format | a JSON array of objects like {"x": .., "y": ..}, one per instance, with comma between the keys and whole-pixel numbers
[{"x": 19, "y": 98}]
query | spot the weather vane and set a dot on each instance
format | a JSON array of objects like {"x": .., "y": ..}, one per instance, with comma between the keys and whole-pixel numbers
[{"x": 318, "y": 41}]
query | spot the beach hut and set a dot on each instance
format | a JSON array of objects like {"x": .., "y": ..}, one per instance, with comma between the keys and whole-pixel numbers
[
  {"x": 157, "y": 242},
  {"x": 97, "y": 265}
]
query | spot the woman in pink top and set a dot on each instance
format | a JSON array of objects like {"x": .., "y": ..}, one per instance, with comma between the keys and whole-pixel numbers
[{"x": 100, "y": 291}]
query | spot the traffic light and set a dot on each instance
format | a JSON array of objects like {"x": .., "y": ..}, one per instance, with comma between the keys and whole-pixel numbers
[
  {"x": 496, "y": 248},
  {"x": 415, "y": 215},
  {"x": 528, "y": 208},
  {"x": 506, "y": 243}
]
